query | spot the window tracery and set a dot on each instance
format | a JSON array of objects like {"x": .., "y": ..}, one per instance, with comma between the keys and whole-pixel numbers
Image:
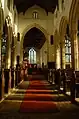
[{"x": 32, "y": 56}]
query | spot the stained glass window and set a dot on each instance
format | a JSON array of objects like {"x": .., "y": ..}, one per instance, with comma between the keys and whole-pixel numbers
[
  {"x": 67, "y": 50},
  {"x": 32, "y": 56},
  {"x": 3, "y": 51}
]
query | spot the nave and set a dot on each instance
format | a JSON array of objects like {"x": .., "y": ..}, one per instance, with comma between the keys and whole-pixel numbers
[{"x": 36, "y": 98}]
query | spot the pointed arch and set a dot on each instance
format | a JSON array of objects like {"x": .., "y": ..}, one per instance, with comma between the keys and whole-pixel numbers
[
  {"x": 72, "y": 14},
  {"x": 38, "y": 27},
  {"x": 63, "y": 25}
]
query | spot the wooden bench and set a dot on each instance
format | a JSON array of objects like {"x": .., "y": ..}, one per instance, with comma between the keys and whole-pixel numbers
[
  {"x": 76, "y": 73},
  {"x": 69, "y": 81}
]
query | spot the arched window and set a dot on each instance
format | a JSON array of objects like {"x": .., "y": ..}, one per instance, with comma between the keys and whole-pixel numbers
[
  {"x": 32, "y": 56},
  {"x": 67, "y": 49},
  {"x": 67, "y": 46},
  {"x": 3, "y": 50}
]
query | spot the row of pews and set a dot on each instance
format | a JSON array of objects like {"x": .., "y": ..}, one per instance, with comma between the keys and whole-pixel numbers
[
  {"x": 11, "y": 78},
  {"x": 67, "y": 81}
]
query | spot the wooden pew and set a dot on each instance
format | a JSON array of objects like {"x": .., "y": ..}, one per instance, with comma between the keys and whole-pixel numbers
[
  {"x": 76, "y": 73},
  {"x": 63, "y": 80},
  {"x": 50, "y": 75},
  {"x": 70, "y": 82}
]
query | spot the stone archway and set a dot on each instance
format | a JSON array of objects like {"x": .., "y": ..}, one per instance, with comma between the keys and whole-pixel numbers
[
  {"x": 26, "y": 30},
  {"x": 62, "y": 32},
  {"x": 63, "y": 25},
  {"x": 30, "y": 27},
  {"x": 73, "y": 21},
  {"x": 72, "y": 14}
]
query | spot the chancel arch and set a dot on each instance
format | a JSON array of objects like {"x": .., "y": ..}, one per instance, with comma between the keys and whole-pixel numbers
[
  {"x": 27, "y": 29},
  {"x": 43, "y": 39}
]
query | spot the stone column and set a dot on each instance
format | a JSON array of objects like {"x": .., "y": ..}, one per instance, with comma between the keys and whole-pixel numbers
[
  {"x": 78, "y": 53},
  {"x": 1, "y": 72},
  {"x": 8, "y": 52},
  {"x": 15, "y": 50},
  {"x": 17, "y": 80},
  {"x": 61, "y": 44},
  {"x": 0, "y": 66},
  {"x": 18, "y": 47},
  {"x": 48, "y": 48},
  {"x": 21, "y": 48},
  {"x": 72, "y": 50},
  {"x": 63, "y": 55},
  {"x": 55, "y": 47}
]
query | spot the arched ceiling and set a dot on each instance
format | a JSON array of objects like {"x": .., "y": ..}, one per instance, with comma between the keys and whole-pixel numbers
[
  {"x": 48, "y": 5},
  {"x": 34, "y": 38}
]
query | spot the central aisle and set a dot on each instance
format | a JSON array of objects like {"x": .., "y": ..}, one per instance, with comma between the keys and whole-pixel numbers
[{"x": 38, "y": 97}]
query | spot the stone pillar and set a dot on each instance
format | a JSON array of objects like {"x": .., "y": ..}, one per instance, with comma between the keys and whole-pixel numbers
[
  {"x": 55, "y": 47},
  {"x": 48, "y": 48},
  {"x": 17, "y": 80},
  {"x": 1, "y": 77},
  {"x": 18, "y": 47},
  {"x": 61, "y": 55},
  {"x": 58, "y": 57},
  {"x": 15, "y": 50},
  {"x": 78, "y": 52},
  {"x": 72, "y": 51},
  {"x": 9, "y": 39},
  {"x": 8, "y": 48},
  {"x": 0, "y": 68},
  {"x": 21, "y": 48}
]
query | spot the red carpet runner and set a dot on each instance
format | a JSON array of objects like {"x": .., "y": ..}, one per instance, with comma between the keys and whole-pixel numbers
[{"x": 38, "y": 98}]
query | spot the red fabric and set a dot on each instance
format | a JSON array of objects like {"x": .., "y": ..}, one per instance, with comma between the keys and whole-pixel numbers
[
  {"x": 40, "y": 97},
  {"x": 38, "y": 106},
  {"x": 38, "y": 91},
  {"x": 41, "y": 101}
]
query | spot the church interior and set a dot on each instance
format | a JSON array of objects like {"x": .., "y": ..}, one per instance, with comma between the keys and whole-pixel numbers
[{"x": 39, "y": 65}]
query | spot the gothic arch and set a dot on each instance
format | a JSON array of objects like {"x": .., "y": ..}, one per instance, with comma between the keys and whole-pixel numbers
[
  {"x": 56, "y": 35},
  {"x": 27, "y": 29},
  {"x": 62, "y": 33},
  {"x": 38, "y": 27},
  {"x": 63, "y": 25},
  {"x": 73, "y": 17},
  {"x": 72, "y": 14}
]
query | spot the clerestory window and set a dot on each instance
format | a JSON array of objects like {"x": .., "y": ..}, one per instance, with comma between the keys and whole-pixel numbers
[{"x": 35, "y": 15}]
